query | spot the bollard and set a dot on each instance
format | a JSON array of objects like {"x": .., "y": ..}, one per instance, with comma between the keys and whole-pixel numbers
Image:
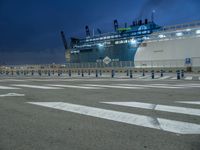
[
  {"x": 96, "y": 73},
  {"x": 143, "y": 73},
  {"x": 161, "y": 73},
  {"x": 127, "y": 73},
  {"x": 131, "y": 73},
  {"x": 12, "y": 73},
  {"x": 82, "y": 73},
  {"x": 58, "y": 72},
  {"x": 89, "y": 72},
  {"x": 32, "y": 72},
  {"x": 49, "y": 73},
  {"x": 178, "y": 74},
  {"x": 70, "y": 73},
  {"x": 113, "y": 73},
  {"x": 152, "y": 74},
  {"x": 53, "y": 72},
  {"x": 40, "y": 73},
  {"x": 182, "y": 73},
  {"x": 100, "y": 73},
  {"x": 79, "y": 72}
]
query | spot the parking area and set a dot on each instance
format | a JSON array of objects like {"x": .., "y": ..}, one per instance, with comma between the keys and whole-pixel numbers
[{"x": 138, "y": 113}]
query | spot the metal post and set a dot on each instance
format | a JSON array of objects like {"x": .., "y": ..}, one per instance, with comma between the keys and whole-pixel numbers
[
  {"x": 152, "y": 74},
  {"x": 49, "y": 73},
  {"x": 143, "y": 73},
  {"x": 100, "y": 73},
  {"x": 96, "y": 73},
  {"x": 182, "y": 73},
  {"x": 161, "y": 73},
  {"x": 113, "y": 73},
  {"x": 127, "y": 72},
  {"x": 70, "y": 73},
  {"x": 131, "y": 73},
  {"x": 178, "y": 74},
  {"x": 82, "y": 73}
]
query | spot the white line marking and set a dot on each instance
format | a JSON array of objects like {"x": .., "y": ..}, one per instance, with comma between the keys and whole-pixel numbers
[
  {"x": 75, "y": 86},
  {"x": 139, "y": 120},
  {"x": 11, "y": 95},
  {"x": 189, "y": 102},
  {"x": 145, "y": 77},
  {"x": 152, "y": 86},
  {"x": 8, "y": 88},
  {"x": 188, "y": 85},
  {"x": 36, "y": 86},
  {"x": 174, "y": 78},
  {"x": 113, "y": 86},
  {"x": 157, "y": 107},
  {"x": 165, "y": 77},
  {"x": 188, "y": 78}
]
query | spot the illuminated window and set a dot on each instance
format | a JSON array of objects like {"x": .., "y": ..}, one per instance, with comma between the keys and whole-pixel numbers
[
  {"x": 161, "y": 36},
  {"x": 198, "y": 32},
  {"x": 179, "y": 34}
]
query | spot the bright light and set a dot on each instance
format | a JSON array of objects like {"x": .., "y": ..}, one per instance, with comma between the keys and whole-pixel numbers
[
  {"x": 132, "y": 41},
  {"x": 179, "y": 34},
  {"x": 161, "y": 36},
  {"x": 100, "y": 44},
  {"x": 188, "y": 30},
  {"x": 198, "y": 32}
]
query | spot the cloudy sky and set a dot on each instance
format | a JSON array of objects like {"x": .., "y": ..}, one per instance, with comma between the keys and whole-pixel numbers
[{"x": 30, "y": 29}]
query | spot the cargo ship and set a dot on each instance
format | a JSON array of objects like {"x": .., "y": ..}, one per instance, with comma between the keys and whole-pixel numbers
[{"x": 141, "y": 44}]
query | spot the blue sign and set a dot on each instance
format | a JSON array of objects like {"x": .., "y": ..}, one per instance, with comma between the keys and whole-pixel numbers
[{"x": 188, "y": 61}]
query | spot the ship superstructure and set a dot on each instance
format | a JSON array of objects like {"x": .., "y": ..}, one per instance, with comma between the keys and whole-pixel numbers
[{"x": 141, "y": 43}]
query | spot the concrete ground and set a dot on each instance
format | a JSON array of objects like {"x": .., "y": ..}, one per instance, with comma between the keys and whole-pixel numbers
[{"x": 99, "y": 114}]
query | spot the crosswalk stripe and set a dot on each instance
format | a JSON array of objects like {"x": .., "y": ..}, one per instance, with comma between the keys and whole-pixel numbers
[
  {"x": 157, "y": 107},
  {"x": 189, "y": 102},
  {"x": 113, "y": 86},
  {"x": 11, "y": 95},
  {"x": 188, "y": 78},
  {"x": 188, "y": 85},
  {"x": 36, "y": 86},
  {"x": 152, "y": 86},
  {"x": 8, "y": 88},
  {"x": 75, "y": 86},
  {"x": 133, "y": 119}
]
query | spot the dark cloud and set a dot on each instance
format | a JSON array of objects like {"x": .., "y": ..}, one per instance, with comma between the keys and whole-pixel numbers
[{"x": 31, "y": 29}]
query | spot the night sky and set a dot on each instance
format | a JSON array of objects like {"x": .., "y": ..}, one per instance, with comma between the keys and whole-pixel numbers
[{"x": 30, "y": 29}]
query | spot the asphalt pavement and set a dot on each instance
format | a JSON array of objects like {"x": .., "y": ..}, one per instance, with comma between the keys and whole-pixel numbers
[{"x": 99, "y": 114}]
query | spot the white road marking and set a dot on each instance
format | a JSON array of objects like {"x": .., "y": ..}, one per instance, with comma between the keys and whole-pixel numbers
[
  {"x": 189, "y": 102},
  {"x": 152, "y": 86},
  {"x": 174, "y": 78},
  {"x": 8, "y": 88},
  {"x": 145, "y": 77},
  {"x": 188, "y": 78},
  {"x": 11, "y": 95},
  {"x": 157, "y": 107},
  {"x": 165, "y": 77},
  {"x": 37, "y": 86},
  {"x": 75, "y": 86},
  {"x": 113, "y": 86},
  {"x": 7, "y": 80},
  {"x": 189, "y": 85},
  {"x": 133, "y": 119}
]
